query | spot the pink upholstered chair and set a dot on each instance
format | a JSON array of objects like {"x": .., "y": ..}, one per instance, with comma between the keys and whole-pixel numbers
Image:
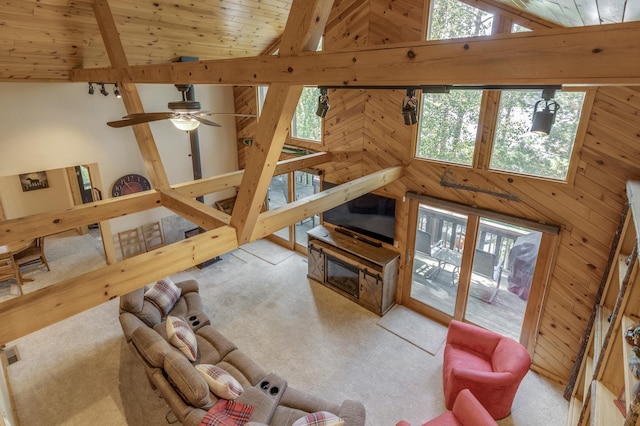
[
  {"x": 467, "y": 411},
  {"x": 491, "y": 366}
]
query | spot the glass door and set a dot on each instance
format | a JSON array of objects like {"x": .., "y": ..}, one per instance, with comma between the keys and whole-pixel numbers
[
  {"x": 437, "y": 258},
  {"x": 278, "y": 196},
  {"x": 477, "y": 269},
  {"x": 305, "y": 184}
]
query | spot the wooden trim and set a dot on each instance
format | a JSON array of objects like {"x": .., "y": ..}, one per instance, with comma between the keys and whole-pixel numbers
[
  {"x": 463, "y": 208},
  {"x": 591, "y": 55},
  {"x": 466, "y": 267},
  {"x": 581, "y": 132}
]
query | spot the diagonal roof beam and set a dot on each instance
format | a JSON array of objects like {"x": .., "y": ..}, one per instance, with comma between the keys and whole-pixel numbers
[
  {"x": 303, "y": 30},
  {"x": 592, "y": 55},
  {"x": 130, "y": 96}
]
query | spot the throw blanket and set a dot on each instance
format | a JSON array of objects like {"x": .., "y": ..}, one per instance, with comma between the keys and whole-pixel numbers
[{"x": 227, "y": 413}]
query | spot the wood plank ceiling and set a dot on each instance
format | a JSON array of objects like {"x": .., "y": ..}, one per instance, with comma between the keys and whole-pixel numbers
[{"x": 41, "y": 40}]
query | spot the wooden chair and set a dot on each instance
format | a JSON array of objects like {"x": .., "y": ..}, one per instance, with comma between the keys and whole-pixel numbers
[
  {"x": 131, "y": 243},
  {"x": 9, "y": 270},
  {"x": 32, "y": 255},
  {"x": 153, "y": 235}
]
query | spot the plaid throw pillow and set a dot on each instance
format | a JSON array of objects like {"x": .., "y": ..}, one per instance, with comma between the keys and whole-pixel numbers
[
  {"x": 221, "y": 383},
  {"x": 182, "y": 337},
  {"x": 163, "y": 295},
  {"x": 227, "y": 413},
  {"x": 321, "y": 418}
]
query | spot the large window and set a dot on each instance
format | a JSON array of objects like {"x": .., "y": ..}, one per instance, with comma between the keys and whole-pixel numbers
[
  {"x": 450, "y": 126},
  {"x": 516, "y": 149}
]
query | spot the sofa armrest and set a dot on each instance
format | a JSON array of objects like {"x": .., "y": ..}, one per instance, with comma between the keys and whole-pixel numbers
[
  {"x": 188, "y": 286},
  {"x": 352, "y": 412},
  {"x": 482, "y": 378}
]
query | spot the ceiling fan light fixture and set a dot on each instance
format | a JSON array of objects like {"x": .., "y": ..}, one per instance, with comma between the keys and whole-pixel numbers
[{"x": 185, "y": 123}]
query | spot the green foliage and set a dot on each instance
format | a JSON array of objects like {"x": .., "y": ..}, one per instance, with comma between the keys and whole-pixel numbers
[
  {"x": 516, "y": 149},
  {"x": 454, "y": 19},
  {"x": 306, "y": 124}
]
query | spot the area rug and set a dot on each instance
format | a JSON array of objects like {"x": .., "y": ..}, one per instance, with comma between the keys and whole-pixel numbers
[
  {"x": 422, "y": 332},
  {"x": 267, "y": 251}
]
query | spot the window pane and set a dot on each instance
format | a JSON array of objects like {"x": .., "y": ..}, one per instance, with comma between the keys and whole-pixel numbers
[
  {"x": 454, "y": 19},
  {"x": 306, "y": 124},
  {"x": 449, "y": 125},
  {"x": 516, "y": 149},
  {"x": 277, "y": 196}
]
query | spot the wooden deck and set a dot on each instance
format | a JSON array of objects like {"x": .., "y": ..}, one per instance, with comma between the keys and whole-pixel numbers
[{"x": 503, "y": 314}]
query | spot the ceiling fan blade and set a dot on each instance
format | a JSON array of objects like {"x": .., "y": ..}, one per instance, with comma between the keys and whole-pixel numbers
[
  {"x": 139, "y": 118},
  {"x": 227, "y": 113},
  {"x": 205, "y": 121}
]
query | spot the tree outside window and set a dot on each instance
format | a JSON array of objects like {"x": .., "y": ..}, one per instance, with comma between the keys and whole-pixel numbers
[{"x": 306, "y": 124}]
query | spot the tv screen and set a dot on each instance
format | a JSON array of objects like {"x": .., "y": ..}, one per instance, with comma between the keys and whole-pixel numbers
[{"x": 370, "y": 214}]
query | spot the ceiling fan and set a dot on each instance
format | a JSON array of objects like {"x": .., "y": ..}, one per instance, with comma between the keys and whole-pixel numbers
[{"x": 184, "y": 114}]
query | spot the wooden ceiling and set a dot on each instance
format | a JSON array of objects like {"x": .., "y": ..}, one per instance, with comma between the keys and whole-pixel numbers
[{"x": 41, "y": 40}]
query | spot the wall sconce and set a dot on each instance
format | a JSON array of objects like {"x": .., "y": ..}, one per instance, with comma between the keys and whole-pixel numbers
[
  {"x": 91, "y": 89},
  {"x": 410, "y": 108},
  {"x": 116, "y": 91},
  {"x": 544, "y": 117},
  {"x": 323, "y": 103}
]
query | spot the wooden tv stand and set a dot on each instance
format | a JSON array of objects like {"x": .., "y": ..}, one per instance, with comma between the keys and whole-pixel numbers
[{"x": 354, "y": 266}]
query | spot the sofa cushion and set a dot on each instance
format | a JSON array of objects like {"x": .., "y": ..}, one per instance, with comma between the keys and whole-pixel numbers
[
  {"x": 151, "y": 346},
  {"x": 182, "y": 337},
  {"x": 320, "y": 418},
  {"x": 132, "y": 302},
  {"x": 221, "y": 383},
  {"x": 187, "y": 381},
  {"x": 163, "y": 295}
]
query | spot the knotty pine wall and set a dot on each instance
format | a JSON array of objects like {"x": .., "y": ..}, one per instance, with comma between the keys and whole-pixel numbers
[{"x": 367, "y": 126}]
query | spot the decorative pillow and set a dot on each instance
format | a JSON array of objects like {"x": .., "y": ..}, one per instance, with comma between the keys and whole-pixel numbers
[
  {"x": 182, "y": 337},
  {"x": 321, "y": 418},
  {"x": 221, "y": 383},
  {"x": 163, "y": 295}
]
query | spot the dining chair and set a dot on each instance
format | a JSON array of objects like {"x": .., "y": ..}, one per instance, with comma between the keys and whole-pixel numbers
[
  {"x": 153, "y": 235},
  {"x": 131, "y": 243},
  {"x": 9, "y": 270},
  {"x": 32, "y": 255}
]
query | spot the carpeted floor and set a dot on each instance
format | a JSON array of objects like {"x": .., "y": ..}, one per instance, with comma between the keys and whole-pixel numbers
[{"x": 80, "y": 371}]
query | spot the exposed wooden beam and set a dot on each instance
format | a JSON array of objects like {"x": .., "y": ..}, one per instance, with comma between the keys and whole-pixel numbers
[
  {"x": 592, "y": 55},
  {"x": 130, "y": 96},
  {"x": 59, "y": 301},
  {"x": 303, "y": 30},
  {"x": 194, "y": 211},
  {"x": 279, "y": 218},
  {"x": 233, "y": 179},
  {"x": 30, "y": 227}
]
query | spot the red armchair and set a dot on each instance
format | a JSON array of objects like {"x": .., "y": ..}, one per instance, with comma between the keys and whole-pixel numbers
[
  {"x": 467, "y": 411},
  {"x": 491, "y": 366}
]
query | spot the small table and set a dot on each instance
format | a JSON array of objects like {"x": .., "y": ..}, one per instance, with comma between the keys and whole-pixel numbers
[{"x": 446, "y": 256}]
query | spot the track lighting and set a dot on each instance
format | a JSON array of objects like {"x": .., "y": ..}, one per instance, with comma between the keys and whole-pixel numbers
[
  {"x": 103, "y": 90},
  {"x": 116, "y": 91},
  {"x": 410, "y": 108},
  {"x": 91, "y": 89},
  {"x": 544, "y": 117},
  {"x": 323, "y": 103}
]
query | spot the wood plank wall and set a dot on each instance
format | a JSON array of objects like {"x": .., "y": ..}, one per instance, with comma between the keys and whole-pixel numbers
[{"x": 367, "y": 127}]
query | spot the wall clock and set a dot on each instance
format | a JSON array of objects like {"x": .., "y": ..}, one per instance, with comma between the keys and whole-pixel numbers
[{"x": 129, "y": 184}]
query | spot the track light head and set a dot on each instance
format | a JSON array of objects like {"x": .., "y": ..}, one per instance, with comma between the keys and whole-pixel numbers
[
  {"x": 544, "y": 113},
  {"x": 103, "y": 90},
  {"x": 91, "y": 89},
  {"x": 410, "y": 108},
  {"x": 116, "y": 91},
  {"x": 323, "y": 103}
]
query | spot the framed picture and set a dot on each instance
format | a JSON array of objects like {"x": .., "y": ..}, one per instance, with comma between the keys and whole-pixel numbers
[{"x": 34, "y": 180}]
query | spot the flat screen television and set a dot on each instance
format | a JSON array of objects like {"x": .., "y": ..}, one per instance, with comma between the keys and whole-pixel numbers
[{"x": 371, "y": 215}]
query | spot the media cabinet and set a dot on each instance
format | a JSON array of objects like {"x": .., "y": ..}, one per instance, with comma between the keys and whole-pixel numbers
[{"x": 356, "y": 267}]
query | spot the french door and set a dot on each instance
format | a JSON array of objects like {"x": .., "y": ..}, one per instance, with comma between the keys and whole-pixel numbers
[{"x": 479, "y": 269}]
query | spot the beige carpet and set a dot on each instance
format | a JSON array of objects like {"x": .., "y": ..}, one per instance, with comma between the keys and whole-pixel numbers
[
  {"x": 414, "y": 328},
  {"x": 80, "y": 371}
]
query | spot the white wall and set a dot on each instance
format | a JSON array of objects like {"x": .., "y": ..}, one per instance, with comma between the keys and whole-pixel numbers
[{"x": 47, "y": 126}]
